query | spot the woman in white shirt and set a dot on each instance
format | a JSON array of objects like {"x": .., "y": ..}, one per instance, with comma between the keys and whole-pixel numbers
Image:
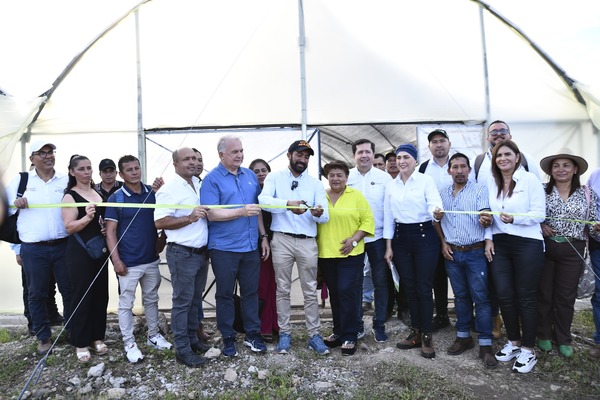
[
  {"x": 410, "y": 200},
  {"x": 515, "y": 249}
]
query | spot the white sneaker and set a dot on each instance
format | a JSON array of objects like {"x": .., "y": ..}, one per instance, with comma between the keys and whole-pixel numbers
[
  {"x": 508, "y": 352},
  {"x": 525, "y": 361},
  {"x": 159, "y": 342},
  {"x": 133, "y": 353}
]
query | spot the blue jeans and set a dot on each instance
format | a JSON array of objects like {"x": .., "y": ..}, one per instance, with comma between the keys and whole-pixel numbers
[
  {"x": 469, "y": 279},
  {"x": 517, "y": 267},
  {"x": 416, "y": 248},
  {"x": 344, "y": 281},
  {"x": 188, "y": 278},
  {"x": 245, "y": 267},
  {"x": 595, "y": 257},
  {"x": 368, "y": 289},
  {"x": 39, "y": 263}
]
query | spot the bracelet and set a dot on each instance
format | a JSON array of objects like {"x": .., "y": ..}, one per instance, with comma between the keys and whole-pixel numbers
[{"x": 264, "y": 235}]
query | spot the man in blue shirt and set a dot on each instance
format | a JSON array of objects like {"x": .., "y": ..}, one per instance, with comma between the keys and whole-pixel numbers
[
  {"x": 294, "y": 232},
  {"x": 131, "y": 237},
  {"x": 233, "y": 242},
  {"x": 462, "y": 238}
]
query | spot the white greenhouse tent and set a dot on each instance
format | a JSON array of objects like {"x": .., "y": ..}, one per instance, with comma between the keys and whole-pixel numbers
[{"x": 111, "y": 77}]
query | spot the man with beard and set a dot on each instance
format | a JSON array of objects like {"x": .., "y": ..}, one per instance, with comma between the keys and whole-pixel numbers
[
  {"x": 437, "y": 168},
  {"x": 462, "y": 239},
  {"x": 294, "y": 231}
]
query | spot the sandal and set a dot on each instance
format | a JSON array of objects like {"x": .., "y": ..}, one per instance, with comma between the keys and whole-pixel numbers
[
  {"x": 83, "y": 355},
  {"x": 99, "y": 348},
  {"x": 348, "y": 348}
]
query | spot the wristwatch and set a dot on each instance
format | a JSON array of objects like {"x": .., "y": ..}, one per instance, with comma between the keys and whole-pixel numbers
[{"x": 354, "y": 243}]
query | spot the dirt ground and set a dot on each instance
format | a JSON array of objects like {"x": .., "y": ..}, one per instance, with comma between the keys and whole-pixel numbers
[{"x": 377, "y": 370}]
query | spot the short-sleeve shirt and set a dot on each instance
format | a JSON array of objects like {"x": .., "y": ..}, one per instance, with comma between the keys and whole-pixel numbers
[
  {"x": 136, "y": 233},
  {"x": 221, "y": 187}
]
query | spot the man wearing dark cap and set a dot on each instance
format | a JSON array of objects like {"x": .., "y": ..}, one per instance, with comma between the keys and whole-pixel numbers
[
  {"x": 294, "y": 232},
  {"x": 437, "y": 168},
  {"x": 43, "y": 236},
  {"x": 109, "y": 183}
]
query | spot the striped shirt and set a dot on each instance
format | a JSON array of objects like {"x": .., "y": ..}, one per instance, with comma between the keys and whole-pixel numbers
[{"x": 464, "y": 229}]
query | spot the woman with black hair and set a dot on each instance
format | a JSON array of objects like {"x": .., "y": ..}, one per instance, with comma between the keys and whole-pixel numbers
[{"x": 88, "y": 322}]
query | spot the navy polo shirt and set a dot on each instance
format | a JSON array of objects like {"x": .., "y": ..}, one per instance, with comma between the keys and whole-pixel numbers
[
  {"x": 222, "y": 187},
  {"x": 136, "y": 232}
]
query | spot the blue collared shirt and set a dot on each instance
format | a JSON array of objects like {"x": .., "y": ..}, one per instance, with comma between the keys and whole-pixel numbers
[
  {"x": 277, "y": 190},
  {"x": 221, "y": 187},
  {"x": 136, "y": 232},
  {"x": 464, "y": 229}
]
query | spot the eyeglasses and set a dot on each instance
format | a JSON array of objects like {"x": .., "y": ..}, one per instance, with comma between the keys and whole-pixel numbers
[
  {"x": 44, "y": 154},
  {"x": 294, "y": 184},
  {"x": 496, "y": 132}
]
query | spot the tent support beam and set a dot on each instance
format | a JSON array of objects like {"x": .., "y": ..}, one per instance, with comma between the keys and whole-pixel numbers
[
  {"x": 140, "y": 113},
  {"x": 302, "y": 45}
]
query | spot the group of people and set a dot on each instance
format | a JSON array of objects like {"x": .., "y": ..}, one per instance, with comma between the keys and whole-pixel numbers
[{"x": 505, "y": 241}]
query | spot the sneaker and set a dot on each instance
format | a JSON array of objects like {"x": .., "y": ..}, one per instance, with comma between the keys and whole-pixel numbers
[
  {"x": 361, "y": 334},
  {"x": 284, "y": 343},
  {"x": 191, "y": 360},
  {"x": 159, "y": 342},
  {"x": 132, "y": 353},
  {"x": 508, "y": 352},
  {"x": 412, "y": 341},
  {"x": 379, "y": 334},
  {"x": 525, "y": 361},
  {"x": 255, "y": 343},
  {"x": 316, "y": 343},
  {"x": 44, "y": 347},
  {"x": 229, "y": 349},
  {"x": 440, "y": 321},
  {"x": 460, "y": 345}
]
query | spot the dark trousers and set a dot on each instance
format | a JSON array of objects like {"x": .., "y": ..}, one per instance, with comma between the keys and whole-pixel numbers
[
  {"x": 558, "y": 289},
  {"x": 344, "y": 280},
  {"x": 416, "y": 248},
  {"x": 379, "y": 274},
  {"x": 50, "y": 301},
  {"x": 440, "y": 287},
  {"x": 39, "y": 262},
  {"x": 88, "y": 322},
  {"x": 229, "y": 266},
  {"x": 516, "y": 267}
]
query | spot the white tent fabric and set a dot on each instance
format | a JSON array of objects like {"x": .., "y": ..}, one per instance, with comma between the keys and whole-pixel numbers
[{"x": 383, "y": 69}]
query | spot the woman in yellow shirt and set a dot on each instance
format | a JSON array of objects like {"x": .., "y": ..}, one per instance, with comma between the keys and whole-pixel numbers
[{"x": 341, "y": 254}]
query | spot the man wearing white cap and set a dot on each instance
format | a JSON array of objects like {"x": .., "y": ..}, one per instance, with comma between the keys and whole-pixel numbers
[{"x": 43, "y": 236}]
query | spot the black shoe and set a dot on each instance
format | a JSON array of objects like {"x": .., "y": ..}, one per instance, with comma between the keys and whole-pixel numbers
[
  {"x": 56, "y": 320},
  {"x": 190, "y": 359},
  {"x": 487, "y": 355},
  {"x": 440, "y": 321},
  {"x": 200, "y": 346},
  {"x": 348, "y": 348}
]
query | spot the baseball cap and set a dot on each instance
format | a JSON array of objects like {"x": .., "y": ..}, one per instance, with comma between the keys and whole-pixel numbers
[
  {"x": 39, "y": 144},
  {"x": 107, "y": 163},
  {"x": 301, "y": 145},
  {"x": 437, "y": 132}
]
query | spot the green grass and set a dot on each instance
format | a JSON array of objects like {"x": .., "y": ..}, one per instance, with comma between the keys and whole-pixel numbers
[{"x": 5, "y": 336}]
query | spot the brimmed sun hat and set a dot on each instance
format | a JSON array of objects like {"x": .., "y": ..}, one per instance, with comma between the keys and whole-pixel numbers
[{"x": 565, "y": 152}]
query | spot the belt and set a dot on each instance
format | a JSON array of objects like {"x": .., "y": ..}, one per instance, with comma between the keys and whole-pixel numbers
[
  {"x": 297, "y": 236},
  {"x": 474, "y": 246},
  {"x": 193, "y": 250},
  {"x": 53, "y": 242}
]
